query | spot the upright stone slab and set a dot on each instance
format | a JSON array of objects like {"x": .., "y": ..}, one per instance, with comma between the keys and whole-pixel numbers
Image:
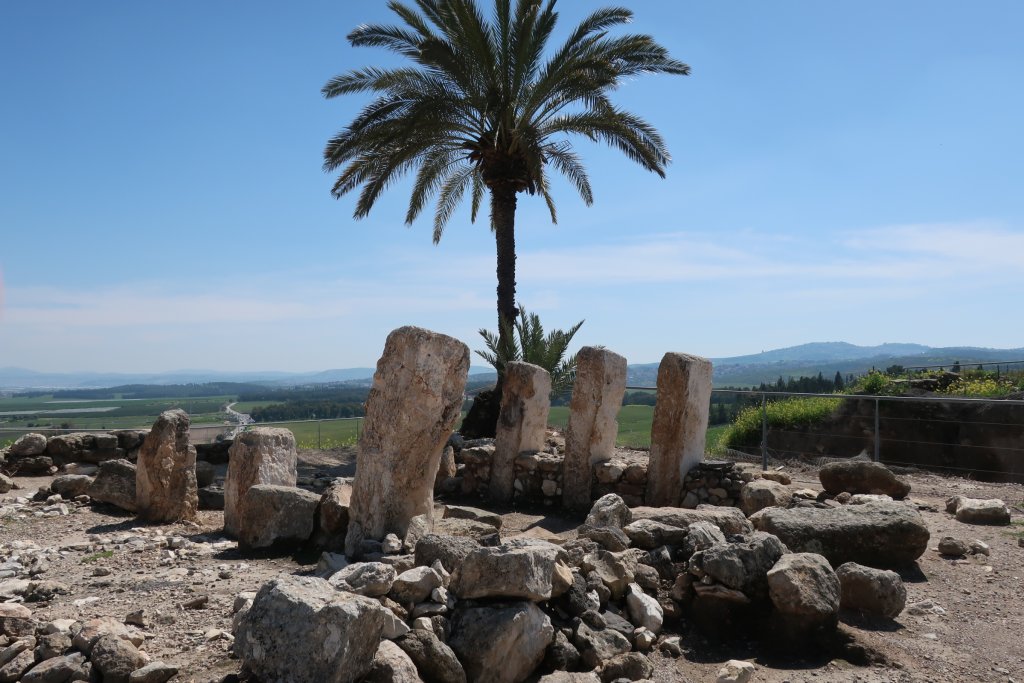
[
  {"x": 680, "y": 425},
  {"x": 525, "y": 404},
  {"x": 165, "y": 478},
  {"x": 415, "y": 400},
  {"x": 590, "y": 436},
  {"x": 264, "y": 455}
]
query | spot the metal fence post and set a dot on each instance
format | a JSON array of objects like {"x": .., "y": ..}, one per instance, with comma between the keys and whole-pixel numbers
[
  {"x": 764, "y": 432},
  {"x": 878, "y": 436},
  {"x": 318, "y": 444}
]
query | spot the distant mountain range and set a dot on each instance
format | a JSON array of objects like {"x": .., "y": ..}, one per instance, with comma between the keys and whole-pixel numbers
[{"x": 767, "y": 366}]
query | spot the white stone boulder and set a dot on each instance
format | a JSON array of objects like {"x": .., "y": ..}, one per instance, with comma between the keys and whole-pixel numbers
[
  {"x": 302, "y": 629},
  {"x": 535, "y": 572},
  {"x": 273, "y": 515},
  {"x": 878, "y": 592},
  {"x": 500, "y": 643}
]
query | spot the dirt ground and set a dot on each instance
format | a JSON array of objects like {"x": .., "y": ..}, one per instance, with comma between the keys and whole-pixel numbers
[{"x": 111, "y": 566}]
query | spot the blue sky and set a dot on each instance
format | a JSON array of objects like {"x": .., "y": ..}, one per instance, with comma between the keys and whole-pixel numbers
[{"x": 842, "y": 171}]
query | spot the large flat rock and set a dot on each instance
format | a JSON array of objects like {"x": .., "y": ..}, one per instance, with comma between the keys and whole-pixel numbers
[{"x": 874, "y": 534}]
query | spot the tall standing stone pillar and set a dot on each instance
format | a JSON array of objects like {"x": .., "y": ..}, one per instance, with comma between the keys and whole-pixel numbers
[
  {"x": 680, "y": 425},
  {"x": 415, "y": 400},
  {"x": 263, "y": 455},
  {"x": 165, "y": 476},
  {"x": 590, "y": 435},
  {"x": 525, "y": 404}
]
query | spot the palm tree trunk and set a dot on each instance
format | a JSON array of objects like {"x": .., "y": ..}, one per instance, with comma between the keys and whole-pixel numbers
[{"x": 503, "y": 221}]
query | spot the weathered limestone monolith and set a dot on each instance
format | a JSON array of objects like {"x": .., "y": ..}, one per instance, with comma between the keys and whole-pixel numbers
[
  {"x": 165, "y": 478},
  {"x": 264, "y": 455},
  {"x": 525, "y": 404},
  {"x": 680, "y": 425},
  {"x": 590, "y": 435},
  {"x": 413, "y": 405}
]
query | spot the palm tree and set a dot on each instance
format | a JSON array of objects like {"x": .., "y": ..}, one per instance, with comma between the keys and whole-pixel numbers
[
  {"x": 528, "y": 343},
  {"x": 483, "y": 107}
]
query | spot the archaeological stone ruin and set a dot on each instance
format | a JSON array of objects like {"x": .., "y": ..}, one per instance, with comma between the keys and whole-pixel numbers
[{"x": 409, "y": 589}]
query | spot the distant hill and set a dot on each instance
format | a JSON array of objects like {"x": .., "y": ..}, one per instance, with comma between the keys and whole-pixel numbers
[
  {"x": 829, "y": 358},
  {"x": 12, "y": 378},
  {"x": 767, "y": 366}
]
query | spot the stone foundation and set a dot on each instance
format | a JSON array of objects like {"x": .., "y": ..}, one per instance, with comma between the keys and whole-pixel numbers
[{"x": 539, "y": 477}]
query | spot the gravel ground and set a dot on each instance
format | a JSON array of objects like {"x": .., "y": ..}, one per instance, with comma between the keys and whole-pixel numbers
[{"x": 112, "y": 566}]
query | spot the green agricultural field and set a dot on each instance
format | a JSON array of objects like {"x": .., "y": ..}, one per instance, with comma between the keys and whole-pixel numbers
[
  {"x": 247, "y": 406},
  {"x": 21, "y": 415},
  {"x": 322, "y": 433},
  {"x": 634, "y": 426}
]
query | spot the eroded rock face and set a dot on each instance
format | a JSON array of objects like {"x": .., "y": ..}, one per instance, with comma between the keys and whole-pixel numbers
[
  {"x": 274, "y": 515},
  {"x": 874, "y": 591},
  {"x": 115, "y": 484},
  {"x": 861, "y": 476},
  {"x": 165, "y": 479},
  {"x": 873, "y": 534},
  {"x": 534, "y": 572},
  {"x": 503, "y": 644},
  {"x": 264, "y": 455},
  {"x": 412, "y": 407},
  {"x": 804, "y": 587},
  {"x": 27, "y": 445},
  {"x": 609, "y": 511},
  {"x": 302, "y": 629},
  {"x": 680, "y": 425},
  {"x": 762, "y": 493},
  {"x": 525, "y": 403},
  {"x": 590, "y": 434},
  {"x": 729, "y": 520},
  {"x": 978, "y": 511}
]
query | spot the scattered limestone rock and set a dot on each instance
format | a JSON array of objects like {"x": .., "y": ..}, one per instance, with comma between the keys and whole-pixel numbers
[
  {"x": 264, "y": 455},
  {"x": 302, "y": 629},
  {"x": 977, "y": 511},
  {"x": 729, "y": 520},
  {"x": 28, "y": 445},
  {"x": 58, "y": 669},
  {"x": 873, "y": 591},
  {"x": 274, "y": 515},
  {"x": 414, "y": 585},
  {"x": 649, "y": 534},
  {"x": 742, "y": 566},
  {"x": 450, "y": 551},
  {"x": 861, "y": 476},
  {"x": 953, "y": 547},
  {"x": 735, "y": 671},
  {"x": 115, "y": 658},
  {"x": 503, "y": 643},
  {"x": 391, "y": 665},
  {"x": 474, "y": 514},
  {"x": 533, "y": 572},
  {"x": 154, "y": 672},
  {"x": 435, "y": 661},
  {"x": 332, "y": 516},
  {"x": 873, "y": 534},
  {"x": 762, "y": 493},
  {"x": 609, "y": 511},
  {"x": 372, "y": 579},
  {"x": 16, "y": 620},
  {"x": 115, "y": 484},
  {"x": 631, "y": 666},
  {"x": 804, "y": 588},
  {"x": 70, "y": 485},
  {"x": 644, "y": 610}
]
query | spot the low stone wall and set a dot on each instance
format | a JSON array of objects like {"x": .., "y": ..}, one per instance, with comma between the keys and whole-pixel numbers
[{"x": 539, "y": 476}]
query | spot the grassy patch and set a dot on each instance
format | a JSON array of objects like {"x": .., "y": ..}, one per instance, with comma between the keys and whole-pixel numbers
[
  {"x": 102, "y": 555},
  {"x": 786, "y": 414},
  {"x": 634, "y": 424},
  {"x": 323, "y": 434}
]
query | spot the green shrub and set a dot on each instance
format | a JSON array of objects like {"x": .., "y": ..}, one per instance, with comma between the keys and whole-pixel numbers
[{"x": 786, "y": 414}]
